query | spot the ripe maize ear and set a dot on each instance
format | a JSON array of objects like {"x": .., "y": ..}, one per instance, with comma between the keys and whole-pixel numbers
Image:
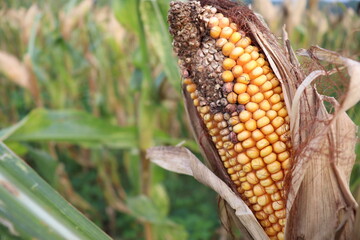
[{"x": 241, "y": 103}]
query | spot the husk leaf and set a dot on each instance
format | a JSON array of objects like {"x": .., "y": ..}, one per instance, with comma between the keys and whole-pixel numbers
[{"x": 319, "y": 202}]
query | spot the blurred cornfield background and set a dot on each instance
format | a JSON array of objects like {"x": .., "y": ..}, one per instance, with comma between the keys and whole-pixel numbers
[{"x": 91, "y": 85}]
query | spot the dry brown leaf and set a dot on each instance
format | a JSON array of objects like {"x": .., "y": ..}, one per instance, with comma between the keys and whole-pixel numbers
[
  {"x": 181, "y": 160},
  {"x": 14, "y": 70},
  {"x": 28, "y": 22},
  {"x": 353, "y": 67},
  {"x": 70, "y": 20}
]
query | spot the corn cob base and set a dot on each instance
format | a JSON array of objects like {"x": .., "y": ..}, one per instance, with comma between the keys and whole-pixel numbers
[{"x": 241, "y": 103}]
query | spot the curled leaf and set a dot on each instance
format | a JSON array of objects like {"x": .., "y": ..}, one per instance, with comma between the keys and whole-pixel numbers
[{"x": 181, "y": 160}]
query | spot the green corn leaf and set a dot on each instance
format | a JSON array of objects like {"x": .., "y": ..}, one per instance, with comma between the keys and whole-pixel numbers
[
  {"x": 70, "y": 126},
  {"x": 33, "y": 210}
]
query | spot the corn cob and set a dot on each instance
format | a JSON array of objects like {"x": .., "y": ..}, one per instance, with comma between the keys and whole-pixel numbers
[{"x": 242, "y": 106}]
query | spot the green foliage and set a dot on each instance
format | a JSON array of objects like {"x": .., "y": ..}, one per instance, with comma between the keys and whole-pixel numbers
[{"x": 34, "y": 208}]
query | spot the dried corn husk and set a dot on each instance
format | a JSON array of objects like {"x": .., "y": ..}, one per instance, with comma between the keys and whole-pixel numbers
[{"x": 323, "y": 146}]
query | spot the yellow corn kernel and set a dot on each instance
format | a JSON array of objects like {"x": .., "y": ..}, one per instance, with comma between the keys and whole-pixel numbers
[
  {"x": 227, "y": 49},
  {"x": 262, "y": 122},
  {"x": 236, "y": 53},
  {"x": 260, "y": 61},
  {"x": 243, "y": 135},
  {"x": 234, "y": 177},
  {"x": 237, "y": 70},
  {"x": 246, "y": 186},
  {"x": 259, "y": 81},
  {"x": 265, "y": 105},
  {"x": 280, "y": 213},
  {"x": 277, "y": 176},
  {"x": 243, "y": 98},
  {"x": 266, "y": 68},
  {"x": 251, "y": 178},
  {"x": 238, "y": 128},
  {"x": 272, "y": 137},
  {"x": 245, "y": 116},
  {"x": 252, "y": 89},
  {"x": 238, "y": 148},
  {"x": 257, "y": 98},
  {"x": 270, "y": 158},
  {"x": 256, "y": 207},
  {"x": 252, "y": 152},
  {"x": 262, "y": 174},
  {"x": 258, "y": 113},
  {"x": 235, "y": 37},
  {"x": 286, "y": 164},
  {"x": 270, "y": 231},
  {"x": 268, "y": 209},
  {"x": 279, "y": 147},
  {"x": 277, "y": 122},
  {"x": 242, "y": 158},
  {"x": 240, "y": 88},
  {"x": 257, "y": 135},
  {"x": 247, "y": 167},
  {"x": 267, "y": 129},
  {"x": 250, "y": 124},
  {"x": 233, "y": 120},
  {"x": 226, "y": 32},
  {"x": 248, "y": 194},
  {"x": 248, "y": 143},
  {"x": 262, "y": 143},
  {"x": 276, "y": 107},
  {"x": 243, "y": 78},
  {"x": 255, "y": 55},
  {"x": 273, "y": 218},
  {"x": 252, "y": 107},
  {"x": 268, "y": 94},
  {"x": 265, "y": 223},
  {"x": 250, "y": 66},
  {"x": 191, "y": 88},
  {"x": 215, "y": 32},
  {"x": 228, "y": 63},
  {"x": 266, "y": 86},
  {"x": 283, "y": 156},
  {"x": 232, "y": 97},
  {"x": 266, "y": 182},
  {"x": 259, "y": 190},
  {"x": 266, "y": 151},
  {"x": 257, "y": 163},
  {"x": 274, "y": 167},
  {"x": 282, "y": 112},
  {"x": 271, "y": 114},
  {"x": 213, "y": 21},
  {"x": 244, "y": 42},
  {"x": 280, "y": 236},
  {"x": 277, "y": 90},
  {"x": 256, "y": 72},
  {"x": 261, "y": 215},
  {"x": 243, "y": 59},
  {"x": 275, "y": 196},
  {"x": 227, "y": 76},
  {"x": 274, "y": 99},
  {"x": 263, "y": 200},
  {"x": 277, "y": 205},
  {"x": 224, "y": 22},
  {"x": 221, "y": 42},
  {"x": 233, "y": 26}
]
